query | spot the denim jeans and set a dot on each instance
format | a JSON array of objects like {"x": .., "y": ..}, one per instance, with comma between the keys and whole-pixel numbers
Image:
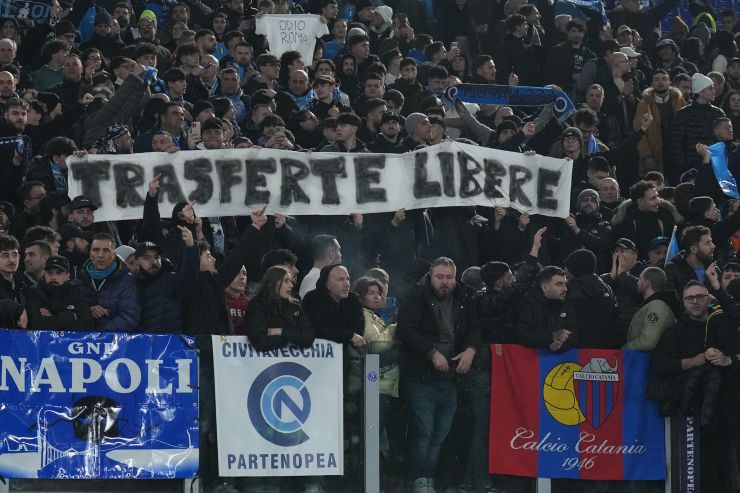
[{"x": 431, "y": 406}]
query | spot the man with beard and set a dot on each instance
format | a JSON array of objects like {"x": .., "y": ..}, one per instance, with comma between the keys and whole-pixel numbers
[
  {"x": 117, "y": 140},
  {"x": 662, "y": 101},
  {"x": 545, "y": 320},
  {"x": 103, "y": 38},
  {"x": 74, "y": 244},
  {"x": 15, "y": 149},
  {"x": 439, "y": 330},
  {"x": 161, "y": 287},
  {"x": 388, "y": 140},
  {"x": 668, "y": 58},
  {"x": 692, "y": 262},
  {"x": 659, "y": 310},
  {"x": 55, "y": 303},
  {"x": 587, "y": 229},
  {"x": 567, "y": 58}
]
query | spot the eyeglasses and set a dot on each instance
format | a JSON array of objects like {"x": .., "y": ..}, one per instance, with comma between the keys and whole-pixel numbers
[{"x": 697, "y": 298}]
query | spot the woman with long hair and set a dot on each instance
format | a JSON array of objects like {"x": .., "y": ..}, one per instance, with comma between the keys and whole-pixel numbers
[{"x": 275, "y": 318}]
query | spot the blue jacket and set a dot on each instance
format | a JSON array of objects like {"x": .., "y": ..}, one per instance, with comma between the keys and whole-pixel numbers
[
  {"x": 161, "y": 295},
  {"x": 117, "y": 294}
]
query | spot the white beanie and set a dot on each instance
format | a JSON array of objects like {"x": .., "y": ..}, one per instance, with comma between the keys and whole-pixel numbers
[
  {"x": 385, "y": 12},
  {"x": 699, "y": 82},
  {"x": 124, "y": 251}
]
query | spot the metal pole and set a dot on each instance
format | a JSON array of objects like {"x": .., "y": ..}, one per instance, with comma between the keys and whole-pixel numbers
[
  {"x": 543, "y": 485},
  {"x": 371, "y": 421},
  {"x": 668, "y": 455}
]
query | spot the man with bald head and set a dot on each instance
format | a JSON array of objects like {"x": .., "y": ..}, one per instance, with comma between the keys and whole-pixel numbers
[
  {"x": 7, "y": 88},
  {"x": 297, "y": 97},
  {"x": 609, "y": 197}
]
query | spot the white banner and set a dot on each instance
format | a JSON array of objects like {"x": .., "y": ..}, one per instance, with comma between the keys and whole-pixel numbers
[
  {"x": 233, "y": 182},
  {"x": 278, "y": 413}
]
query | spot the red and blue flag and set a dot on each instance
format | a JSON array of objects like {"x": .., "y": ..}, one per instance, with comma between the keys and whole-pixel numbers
[{"x": 580, "y": 414}]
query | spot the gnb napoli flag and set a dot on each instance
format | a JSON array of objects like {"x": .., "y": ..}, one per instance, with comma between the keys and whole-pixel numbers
[{"x": 580, "y": 414}]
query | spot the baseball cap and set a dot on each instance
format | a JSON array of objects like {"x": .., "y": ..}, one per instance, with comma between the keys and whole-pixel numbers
[
  {"x": 629, "y": 51},
  {"x": 145, "y": 247},
  {"x": 658, "y": 241},
  {"x": 625, "y": 244},
  {"x": 57, "y": 262},
  {"x": 391, "y": 117},
  {"x": 82, "y": 202},
  {"x": 70, "y": 231}
]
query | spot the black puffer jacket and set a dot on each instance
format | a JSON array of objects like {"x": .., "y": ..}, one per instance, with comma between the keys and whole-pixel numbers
[
  {"x": 161, "y": 294},
  {"x": 595, "y": 311},
  {"x": 336, "y": 321},
  {"x": 678, "y": 273},
  {"x": 418, "y": 331},
  {"x": 67, "y": 305},
  {"x": 676, "y": 388},
  {"x": 539, "y": 317},
  {"x": 690, "y": 126},
  {"x": 296, "y": 326}
]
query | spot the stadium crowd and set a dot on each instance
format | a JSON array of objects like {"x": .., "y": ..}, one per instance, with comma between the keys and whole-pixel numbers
[{"x": 427, "y": 289}]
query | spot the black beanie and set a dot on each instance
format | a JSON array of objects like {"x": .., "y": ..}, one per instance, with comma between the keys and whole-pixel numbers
[
  {"x": 492, "y": 272},
  {"x": 581, "y": 262}
]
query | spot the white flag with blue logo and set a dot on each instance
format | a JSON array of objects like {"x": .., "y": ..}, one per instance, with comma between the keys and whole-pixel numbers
[{"x": 278, "y": 413}]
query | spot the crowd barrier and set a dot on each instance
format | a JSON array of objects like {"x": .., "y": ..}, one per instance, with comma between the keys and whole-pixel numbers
[{"x": 126, "y": 412}]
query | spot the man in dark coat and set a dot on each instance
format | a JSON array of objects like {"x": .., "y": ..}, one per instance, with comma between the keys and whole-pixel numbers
[
  {"x": 594, "y": 302},
  {"x": 644, "y": 217},
  {"x": 440, "y": 332},
  {"x": 56, "y": 304},
  {"x": 162, "y": 287},
  {"x": 693, "y": 124},
  {"x": 692, "y": 262},
  {"x": 545, "y": 320},
  {"x": 334, "y": 311}
]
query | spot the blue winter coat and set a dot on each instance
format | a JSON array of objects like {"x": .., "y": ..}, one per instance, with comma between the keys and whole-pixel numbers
[
  {"x": 118, "y": 294},
  {"x": 161, "y": 295}
]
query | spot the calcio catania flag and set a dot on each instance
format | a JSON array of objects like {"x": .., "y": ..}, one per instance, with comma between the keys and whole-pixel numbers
[{"x": 579, "y": 414}]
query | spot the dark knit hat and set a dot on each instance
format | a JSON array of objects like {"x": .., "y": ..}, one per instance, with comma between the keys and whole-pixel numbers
[
  {"x": 588, "y": 192},
  {"x": 505, "y": 125},
  {"x": 581, "y": 262},
  {"x": 64, "y": 27}
]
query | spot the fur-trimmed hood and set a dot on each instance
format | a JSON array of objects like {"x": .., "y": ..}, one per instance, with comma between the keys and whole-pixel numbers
[
  {"x": 648, "y": 95},
  {"x": 628, "y": 207}
]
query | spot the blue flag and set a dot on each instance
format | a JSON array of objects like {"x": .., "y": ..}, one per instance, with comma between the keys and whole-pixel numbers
[
  {"x": 672, "y": 247},
  {"x": 88, "y": 405},
  {"x": 594, "y": 7},
  {"x": 719, "y": 164},
  {"x": 513, "y": 96}
]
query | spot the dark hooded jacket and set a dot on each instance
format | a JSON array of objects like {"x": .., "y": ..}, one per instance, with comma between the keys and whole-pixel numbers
[
  {"x": 66, "y": 303},
  {"x": 419, "y": 332},
  {"x": 161, "y": 294},
  {"x": 336, "y": 321},
  {"x": 296, "y": 326},
  {"x": 204, "y": 303},
  {"x": 117, "y": 293},
  {"x": 595, "y": 311}
]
